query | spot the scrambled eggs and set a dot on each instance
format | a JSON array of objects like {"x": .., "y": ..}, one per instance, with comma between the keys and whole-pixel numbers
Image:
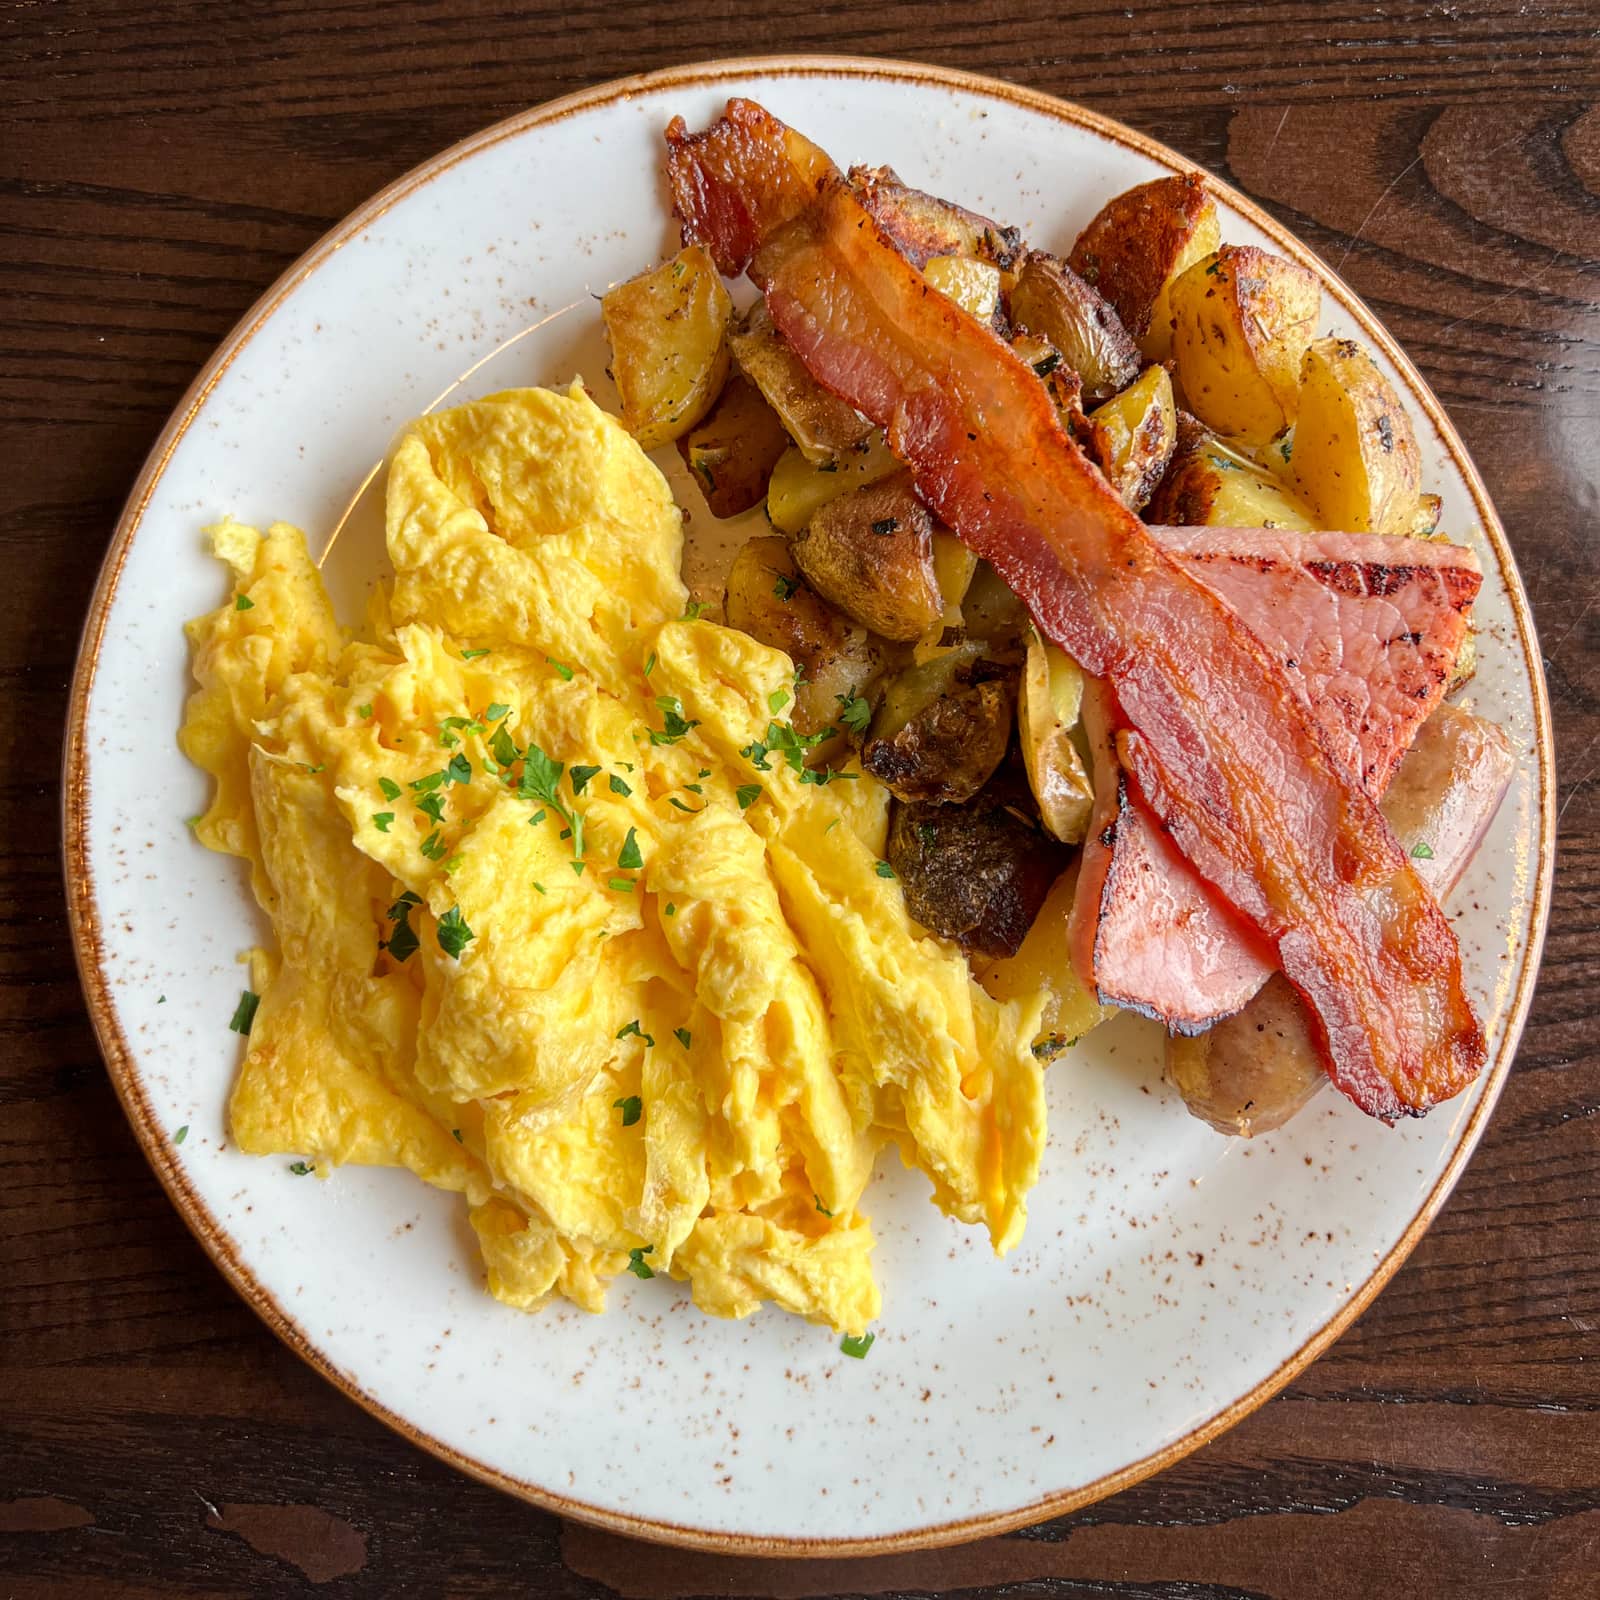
[{"x": 562, "y": 922}]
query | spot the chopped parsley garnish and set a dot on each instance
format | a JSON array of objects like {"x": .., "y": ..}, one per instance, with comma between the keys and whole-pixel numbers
[
  {"x": 459, "y": 769},
  {"x": 618, "y": 785},
  {"x": 541, "y": 888},
  {"x": 181, "y": 1134},
  {"x": 683, "y": 1036},
  {"x": 496, "y": 712},
  {"x": 244, "y": 1014},
  {"x": 1422, "y": 850},
  {"x": 675, "y": 726},
  {"x": 637, "y": 1264},
  {"x": 884, "y": 870},
  {"x": 579, "y": 777},
  {"x": 540, "y": 775},
  {"x": 578, "y": 866},
  {"x": 683, "y": 805},
  {"x": 402, "y": 941},
  {"x": 427, "y": 783},
  {"x": 305, "y": 766},
  {"x": 454, "y": 934},
  {"x": 820, "y": 1207},
  {"x": 561, "y": 667},
  {"x": 432, "y": 807},
  {"x": 504, "y": 748},
  {"x": 629, "y": 855},
  {"x": 784, "y": 588},
  {"x": 854, "y": 711},
  {"x": 472, "y": 655},
  {"x": 669, "y": 910},
  {"x": 244, "y": 603},
  {"x": 747, "y": 794},
  {"x": 633, "y": 1028},
  {"x": 434, "y": 848},
  {"x": 852, "y": 1345},
  {"x": 364, "y": 711},
  {"x": 389, "y": 788},
  {"x": 694, "y": 611},
  {"x": 301, "y": 1169},
  {"x": 621, "y": 885},
  {"x": 451, "y": 729},
  {"x": 537, "y": 817},
  {"x": 631, "y": 1107},
  {"x": 381, "y": 820},
  {"x": 831, "y": 826},
  {"x": 781, "y": 737},
  {"x": 455, "y": 1133},
  {"x": 650, "y": 663},
  {"x": 1049, "y": 1047},
  {"x": 1224, "y": 465},
  {"x": 1286, "y": 447},
  {"x": 777, "y": 700}
]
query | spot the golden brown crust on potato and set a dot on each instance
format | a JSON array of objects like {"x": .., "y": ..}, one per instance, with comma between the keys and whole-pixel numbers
[{"x": 732, "y": 449}]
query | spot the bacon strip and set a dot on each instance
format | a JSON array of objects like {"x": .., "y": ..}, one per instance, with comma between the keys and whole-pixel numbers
[{"x": 1215, "y": 738}]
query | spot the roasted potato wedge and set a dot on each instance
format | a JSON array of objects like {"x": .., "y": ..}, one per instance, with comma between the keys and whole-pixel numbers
[
  {"x": 993, "y": 619},
  {"x": 1208, "y": 484},
  {"x": 1043, "y": 966},
  {"x": 943, "y": 727},
  {"x": 768, "y": 599},
  {"x": 1048, "y": 707},
  {"x": 1061, "y": 383},
  {"x": 1049, "y": 299},
  {"x": 1133, "y": 435},
  {"x": 800, "y": 487},
  {"x": 732, "y": 449},
  {"x": 870, "y": 553},
  {"x": 973, "y": 285},
  {"x": 976, "y": 873},
  {"x": 669, "y": 345},
  {"x": 819, "y": 422},
  {"x": 924, "y": 226},
  {"x": 1137, "y": 247},
  {"x": 1241, "y": 321},
  {"x": 1355, "y": 453}
]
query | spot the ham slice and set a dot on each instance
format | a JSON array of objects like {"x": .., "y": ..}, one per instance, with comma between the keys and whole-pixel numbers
[
  {"x": 1218, "y": 740},
  {"x": 1370, "y": 640}
]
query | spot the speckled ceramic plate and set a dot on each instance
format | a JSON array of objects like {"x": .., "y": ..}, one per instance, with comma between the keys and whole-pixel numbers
[{"x": 1170, "y": 1279}]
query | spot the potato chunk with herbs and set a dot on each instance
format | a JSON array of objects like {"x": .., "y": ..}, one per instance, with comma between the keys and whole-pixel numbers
[
  {"x": 1133, "y": 435},
  {"x": 732, "y": 450}
]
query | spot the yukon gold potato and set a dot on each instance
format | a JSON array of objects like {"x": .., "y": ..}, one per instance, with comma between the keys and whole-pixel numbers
[
  {"x": 1355, "y": 454},
  {"x": 669, "y": 347},
  {"x": 1061, "y": 383},
  {"x": 953, "y": 566},
  {"x": 769, "y": 599},
  {"x": 800, "y": 487},
  {"x": 1048, "y": 709},
  {"x": 993, "y": 618},
  {"x": 973, "y": 285},
  {"x": 1241, "y": 321},
  {"x": 820, "y": 423},
  {"x": 870, "y": 553},
  {"x": 1208, "y": 484},
  {"x": 1137, "y": 247},
  {"x": 1049, "y": 299},
  {"x": 1043, "y": 965},
  {"x": 732, "y": 450},
  {"x": 1133, "y": 435}
]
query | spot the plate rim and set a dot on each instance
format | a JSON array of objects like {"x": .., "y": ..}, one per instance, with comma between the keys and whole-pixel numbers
[{"x": 83, "y": 916}]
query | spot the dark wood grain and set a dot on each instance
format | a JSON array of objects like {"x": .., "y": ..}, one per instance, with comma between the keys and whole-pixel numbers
[{"x": 160, "y": 163}]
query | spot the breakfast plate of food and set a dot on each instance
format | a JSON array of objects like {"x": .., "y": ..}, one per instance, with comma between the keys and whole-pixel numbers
[{"x": 808, "y": 806}]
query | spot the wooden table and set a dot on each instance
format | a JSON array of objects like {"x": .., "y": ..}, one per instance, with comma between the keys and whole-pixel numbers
[{"x": 161, "y": 162}]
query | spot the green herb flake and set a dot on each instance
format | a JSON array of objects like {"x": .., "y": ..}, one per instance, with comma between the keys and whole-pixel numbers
[
  {"x": 389, "y": 788},
  {"x": 504, "y": 749},
  {"x": 181, "y": 1134},
  {"x": 854, "y": 712},
  {"x": 454, "y": 934},
  {"x": 820, "y": 1207},
  {"x": 650, "y": 663},
  {"x": 301, "y": 1169},
  {"x": 637, "y": 1264},
  {"x": 631, "y": 1107},
  {"x": 381, "y": 820},
  {"x": 561, "y": 668},
  {"x": 1422, "y": 850},
  {"x": 459, "y": 770},
  {"x": 579, "y": 777},
  {"x": 855, "y": 1346},
  {"x": 541, "y": 888},
  {"x": 364, "y": 711},
  {"x": 244, "y": 1014},
  {"x": 621, "y": 885},
  {"x": 618, "y": 785},
  {"x": 629, "y": 855},
  {"x": 684, "y": 806},
  {"x": 432, "y": 807},
  {"x": 747, "y": 794},
  {"x": 831, "y": 826},
  {"x": 578, "y": 866},
  {"x": 244, "y": 603},
  {"x": 537, "y": 817},
  {"x": 540, "y": 775},
  {"x": 434, "y": 848},
  {"x": 784, "y": 588},
  {"x": 496, "y": 712},
  {"x": 884, "y": 870},
  {"x": 694, "y": 611},
  {"x": 669, "y": 910},
  {"x": 472, "y": 655},
  {"x": 683, "y": 1036},
  {"x": 455, "y": 1133},
  {"x": 633, "y": 1029},
  {"x": 1286, "y": 447}
]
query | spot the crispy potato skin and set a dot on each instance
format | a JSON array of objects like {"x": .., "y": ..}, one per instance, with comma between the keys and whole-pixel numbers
[
  {"x": 669, "y": 348},
  {"x": 948, "y": 750},
  {"x": 870, "y": 553},
  {"x": 1355, "y": 452},
  {"x": 732, "y": 450},
  {"x": 820, "y": 423},
  {"x": 769, "y": 599},
  {"x": 1207, "y": 484},
  {"x": 1050, "y": 300},
  {"x": 1139, "y": 242},
  {"x": 1133, "y": 435},
  {"x": 975, "y": 873},
  {"x": 924, "y": 226},
  {"x": 1241, "y": 321}
]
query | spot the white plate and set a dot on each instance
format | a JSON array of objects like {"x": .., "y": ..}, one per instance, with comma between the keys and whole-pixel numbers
[{"x": 1170, "y": 1279}]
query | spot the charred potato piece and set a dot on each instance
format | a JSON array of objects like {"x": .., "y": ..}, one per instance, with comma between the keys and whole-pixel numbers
[
  {"x": 1133, "y": 435},
  {"x": 924, "y": 226},
  {"x": 669, "y": 348},
  {"x": 977, "y": 873},
  {"x": 1355, "y": 454},
  {"x": 1049, "y": 299},
  {"x": 870, "y": 553},
  {"x": 819, "y": 422},
  {"x": 1138, "y": 246},
  {"x": 800, "y": 487},
  {"x": 943, "y": 727},
  {"x": 1048, "y": 709},
  {"x": 768, "y": 599},
  {"x": 732, "y": 450},
  {"x": 1241, "y": 321},
  {"x": 1043, "y": 966},
  {"x": 1207, "y": 484}
]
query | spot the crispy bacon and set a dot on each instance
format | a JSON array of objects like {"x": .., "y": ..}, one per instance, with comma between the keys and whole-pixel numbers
[{"x": 1215, "y": 739}]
